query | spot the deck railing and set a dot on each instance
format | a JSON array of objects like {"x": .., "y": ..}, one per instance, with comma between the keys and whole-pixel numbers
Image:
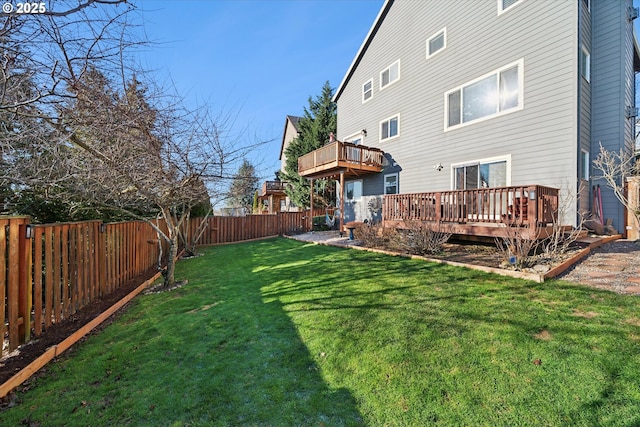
[
  {"x": 341, "y": 154},
  {"x": 531, "y": 205},
  {"x": 269, "y": 187}
]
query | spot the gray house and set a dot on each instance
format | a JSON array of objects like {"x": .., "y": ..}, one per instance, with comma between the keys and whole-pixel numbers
[{"x": 462, "y": 97}]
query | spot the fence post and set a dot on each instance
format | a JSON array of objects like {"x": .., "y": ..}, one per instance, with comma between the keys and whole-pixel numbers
[{"x": 19, "y": 282}]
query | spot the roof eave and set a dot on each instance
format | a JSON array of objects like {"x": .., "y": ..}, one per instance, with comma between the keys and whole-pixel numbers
[{"x": 365, "y": 44}]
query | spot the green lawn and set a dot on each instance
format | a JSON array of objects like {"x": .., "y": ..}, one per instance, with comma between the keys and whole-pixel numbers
[{"x": 280, "y": 333}]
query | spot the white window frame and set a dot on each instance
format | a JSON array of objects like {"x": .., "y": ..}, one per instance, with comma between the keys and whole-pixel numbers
[
  {"x": 584, "y": 164},
  {"x": 388, "y": 120},
  {"x": 397, "y": 183},
  {"x": 519, "y": 63},
  {"x": 444, "y": 46},
  {"x": 346, "y": 189},
  {"x": 389, "y": 70},
  {"x": 502, "y": 9},
  {"x": 505, "y": 158},
  {"x": 370, "y": 81},
  {"x": 585, "y": 63}
]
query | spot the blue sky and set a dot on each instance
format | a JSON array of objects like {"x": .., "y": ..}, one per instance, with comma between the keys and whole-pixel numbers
[{"x": 259, "y": 59}]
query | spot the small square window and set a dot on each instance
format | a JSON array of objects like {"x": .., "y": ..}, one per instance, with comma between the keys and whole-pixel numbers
[
  {"x": 437, "y": 42},
  {"x": 367, "y": 90},
  {"x": 391, "y": 184}
]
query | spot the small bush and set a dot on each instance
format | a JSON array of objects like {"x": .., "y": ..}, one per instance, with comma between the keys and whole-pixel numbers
[
  {"x": 371, "y": 235},
  {"x": 420, "y": 238}
]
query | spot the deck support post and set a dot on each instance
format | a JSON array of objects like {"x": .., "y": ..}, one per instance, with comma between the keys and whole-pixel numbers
[
  {"x": 341, "y": 201},
  {"x": 311, "y": 206}
]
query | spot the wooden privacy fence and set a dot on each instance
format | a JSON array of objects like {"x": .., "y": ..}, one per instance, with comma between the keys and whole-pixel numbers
[
  {"x": 51, "y": 271},
  {"x": 54, "y": 270},
  {"x": 229, "y": 229}
]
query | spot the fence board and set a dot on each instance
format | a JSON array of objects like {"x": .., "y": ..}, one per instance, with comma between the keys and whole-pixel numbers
[{"x": 4, "y": 225}]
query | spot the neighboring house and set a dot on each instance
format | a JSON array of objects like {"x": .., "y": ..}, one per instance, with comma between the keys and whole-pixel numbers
[
  {"x": 471, "y": 95},
  {"x": 272, "y": 196}
]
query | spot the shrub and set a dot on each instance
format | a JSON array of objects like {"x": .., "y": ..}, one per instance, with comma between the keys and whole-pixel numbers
[{"x": 420, "y": 238}]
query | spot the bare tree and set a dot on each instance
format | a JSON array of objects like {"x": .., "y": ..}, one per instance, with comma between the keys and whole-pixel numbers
[
  {"x": 615, "y": 168},
  {"x": 80, "y": 124}
]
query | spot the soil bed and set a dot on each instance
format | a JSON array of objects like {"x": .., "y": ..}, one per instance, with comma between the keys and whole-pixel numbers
[{"x": 12, "y": 363}]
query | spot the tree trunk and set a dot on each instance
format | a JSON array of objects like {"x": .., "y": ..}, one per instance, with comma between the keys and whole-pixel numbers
[{"x": 170, "y": 278}]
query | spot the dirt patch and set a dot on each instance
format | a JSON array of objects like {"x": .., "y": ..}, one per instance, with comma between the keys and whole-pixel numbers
[{"x": 543, "y": 335}]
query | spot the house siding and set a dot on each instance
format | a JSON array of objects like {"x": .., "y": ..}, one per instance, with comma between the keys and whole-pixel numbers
[
  {"x": 562, "y": 113},
  {"x": 613, "y": 88},
  {"x": 541, "y": 138}
]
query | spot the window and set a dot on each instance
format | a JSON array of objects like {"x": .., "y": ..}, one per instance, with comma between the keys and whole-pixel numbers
[
  {"x": 353, "y": 190},
  {"x": 585, "y": 64},
  {"x": 390, "y": 75},
  {"x": 391, "y": 184},
  {"x": 436, "y": 43},
  {"x": 367, "y": 90},
  {"x": 481, "y": 174},
  {"x": 584, "y": 164},
  {"x": 504, "y": 5},
  {"x": 497, "y": 93},
  {"x": 389, "y": 128},
  {"x": 587, "y": 5},
  {"x": 355, "y": 138}
]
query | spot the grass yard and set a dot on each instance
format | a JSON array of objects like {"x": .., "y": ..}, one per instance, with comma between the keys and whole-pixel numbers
[{"x": 281, "y": 333}]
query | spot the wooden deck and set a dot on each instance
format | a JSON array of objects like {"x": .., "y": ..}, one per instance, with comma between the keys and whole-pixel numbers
[
  {"x": 340, "y": 157},
  {"x": 272, "y": 187},
  {"x": 478, "y": 212}
]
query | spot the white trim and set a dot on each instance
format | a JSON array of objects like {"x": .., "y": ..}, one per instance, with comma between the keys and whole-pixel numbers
[
  {"x": 357, "y": 135},
  {"x": 444, "y": 33},
  {"x": 520, "y": 106},
  {"x": 371, "y": 90},
  {"x": 384, "y": 183},
  {"x": 360, "y": 52},
  {"x": 505, "y": 158},
  {"x": 502, "y": 9},
  {"x": 388, "y": 119},
  {"x": 389, "y": 69}
]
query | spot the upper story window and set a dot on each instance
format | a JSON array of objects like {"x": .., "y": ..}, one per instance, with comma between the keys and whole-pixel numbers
[
  {"x": 367, "y": 90},
  {"x": 390, "y": 75},
  {"x": 585, "y": 64},
  {"x": 436, "y": 42},
  {"x": 494, "y": 94},
  {"x": 389, "y": 128},
  {"x": 504, "y": 5}
]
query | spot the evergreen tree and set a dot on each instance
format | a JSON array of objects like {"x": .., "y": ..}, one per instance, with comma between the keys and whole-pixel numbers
[
  {"x": 319, "y": 120},
  {"x": 243, "y": 186}
]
